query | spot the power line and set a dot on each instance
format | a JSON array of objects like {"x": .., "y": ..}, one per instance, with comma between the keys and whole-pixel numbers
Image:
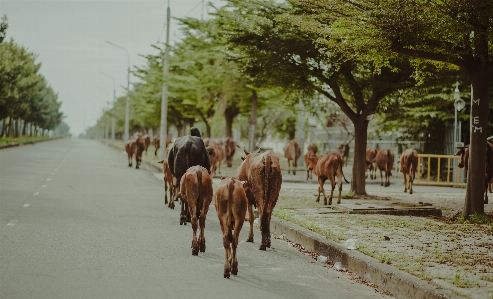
[{"x": 193, "y": 8}]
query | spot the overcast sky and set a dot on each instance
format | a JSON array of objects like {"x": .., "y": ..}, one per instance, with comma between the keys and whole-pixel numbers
[{"x": 69, "y": 37}]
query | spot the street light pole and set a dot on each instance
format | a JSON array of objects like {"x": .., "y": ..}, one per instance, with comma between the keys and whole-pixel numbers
[
  {"x": 114, "y": 100},
  {"x": 458, "y": 105},
  {"x": 164, "y": 95},
  {"x": 127, "y": 100}
]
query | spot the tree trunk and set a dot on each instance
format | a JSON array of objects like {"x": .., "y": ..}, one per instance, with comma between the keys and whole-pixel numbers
[
  {"x": 252, "y": 122},
  {"x": 229, "y": 114},
  {"x": 4, "y": 126},
  {"x": 23, "y": 131},
  {"x": 477, "y": 147},
  {"x": 359, "y": 165}
]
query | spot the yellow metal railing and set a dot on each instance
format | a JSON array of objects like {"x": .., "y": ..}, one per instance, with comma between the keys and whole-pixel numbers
[{"x": 442, "y": 178}]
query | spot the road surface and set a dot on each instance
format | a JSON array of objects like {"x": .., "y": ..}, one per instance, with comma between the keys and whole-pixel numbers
[{"x": 77, "y": 222}]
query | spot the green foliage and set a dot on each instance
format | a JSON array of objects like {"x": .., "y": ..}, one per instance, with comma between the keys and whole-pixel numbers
[{"x": 24, "y": 93}]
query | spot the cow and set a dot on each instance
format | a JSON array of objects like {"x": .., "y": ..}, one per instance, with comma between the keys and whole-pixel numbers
[
  {"x": 385, "y": 161},
  {"x": 262, "y": 172},
  {"x": 343, "y": 149},
  {"x": 215, "y": 148},
  {"x": 196, "y": 191},
  {"x": 409, "y": 163},
  {"x": 213, "y": 153},
  {"x": 187, "y": 151},
  {"x": 230, "y": 148},
  {"x": 371, "y": 154},
  {"x": 292, "y": 152},
  {"x": 147, "y": 142},
  {"x": 156, "y": 141},
  {"x": 307, "y": 155},
  {"x": 170, "y": 183},
  {"x": 463, "y": 154},
  {"x": 327, "y": 167},
  {"x": 139, "y": 149},
  {"x": 221, "y": 153},
  {"x": 231, "y": 203},
  {"x": 313, "y": 147},
  {"x": 130, "y": 148}
]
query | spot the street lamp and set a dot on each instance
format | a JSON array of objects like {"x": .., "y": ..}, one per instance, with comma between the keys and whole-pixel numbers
[
  {"x": 127, "y": 100},
  {"x": 458, "y": 105},
  {"x": 114, "y": 100}
]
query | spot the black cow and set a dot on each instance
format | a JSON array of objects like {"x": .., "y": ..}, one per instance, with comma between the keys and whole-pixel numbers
[{"x": 187, "y": 151}]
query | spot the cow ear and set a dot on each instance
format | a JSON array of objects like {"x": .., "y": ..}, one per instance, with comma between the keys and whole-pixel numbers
[
  {"x": 246, "y": 153},
  {"x": 222, "y": 178},
  {"x": 243, "y": 158},
  {"x": 458, "y": 152}
]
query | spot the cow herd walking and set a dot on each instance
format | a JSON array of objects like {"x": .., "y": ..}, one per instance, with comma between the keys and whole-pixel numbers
[{"x": 191, "y": 162}]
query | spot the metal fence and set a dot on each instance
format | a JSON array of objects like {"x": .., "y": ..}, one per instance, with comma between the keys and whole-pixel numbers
[{"x": 438, "y": 170}]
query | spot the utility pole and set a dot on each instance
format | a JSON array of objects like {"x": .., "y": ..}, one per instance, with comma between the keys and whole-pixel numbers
[{"x": 164, "y": 95}]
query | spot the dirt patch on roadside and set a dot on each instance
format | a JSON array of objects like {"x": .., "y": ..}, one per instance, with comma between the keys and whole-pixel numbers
[{"x": 445, "y": 251}]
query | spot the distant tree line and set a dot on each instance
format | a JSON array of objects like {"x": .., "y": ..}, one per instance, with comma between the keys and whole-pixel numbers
[{"x": 28, "y": 105}]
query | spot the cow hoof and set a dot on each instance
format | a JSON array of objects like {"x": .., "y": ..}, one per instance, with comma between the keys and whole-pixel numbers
[
  {"x": 234, "y": 272},
  {"x": 226, "y": 273},
  {"x": 250, "y": 239},
  {"x": 202, "y": 246},
  {"x": 195, "y": 251},
  {"x": 263, "y": 247}
]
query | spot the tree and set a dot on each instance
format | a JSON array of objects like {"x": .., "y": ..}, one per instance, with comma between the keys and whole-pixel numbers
[
  {"x": 452, "y": 33},
  {"x": 280, "y": 46}
]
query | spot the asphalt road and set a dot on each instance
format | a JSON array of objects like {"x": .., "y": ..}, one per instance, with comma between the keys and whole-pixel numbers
[{"x": 76, "y": 222}]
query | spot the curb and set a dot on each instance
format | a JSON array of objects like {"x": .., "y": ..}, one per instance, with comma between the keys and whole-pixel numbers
[
  {"x": 17, "y": 144},
  {"x": 399, "y": 283}
]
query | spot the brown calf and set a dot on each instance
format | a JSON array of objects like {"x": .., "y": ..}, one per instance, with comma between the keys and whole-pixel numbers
[
  {"x": 156, "y": 141},
  {"x": 328, "y": 167},
  {"x": 147, "y": 142},
  {"x": 385, "y": 161},
  {"x": 139, "y": 149},
  {"x": 463, "y": 152},
  {"x": 230, "y": 148},
  {"x": 409, "y": 163},
  {"x": 307, "y": 155},
  {"x": 196, "y": 191},
  {"x": 169, "y": 182},
  {"x": 313, "y": 147},
  {"x": 262, "y": 173},
  {"x": 231, "y": 205},
  {"x": 130, "y": 148},
  {"x": 371, "y": 154},
  {"x": 292, "y": 152}
]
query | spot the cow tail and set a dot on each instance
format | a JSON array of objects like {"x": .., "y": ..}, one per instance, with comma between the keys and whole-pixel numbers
[
  {"x": 231, "y": 188},
  {"x": 199, "y": 191},
  {"x": 267, "y": 169},
  {"x": 341, "y": 163}
]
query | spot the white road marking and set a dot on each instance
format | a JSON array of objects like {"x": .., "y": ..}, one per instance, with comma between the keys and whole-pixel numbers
[
  {"x": 26, "y": 205},
  {"x": 52, "y": 173},
  {"x": 44, "y": 186},
  {"x": 12, "y": 222},
  {"x": 36, "y": 194},
  {"x": 48, "y": 179}
]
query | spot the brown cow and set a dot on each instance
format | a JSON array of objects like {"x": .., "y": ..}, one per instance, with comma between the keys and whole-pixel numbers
[
  {"x": 328, "y": 167},
  {"x": 313, "y": 147},
  {"x": 262, "y": 173},
  {"x": 221, "y": 153},
  {"x": 156, "y": 141},
  {"x": 169, "y": 182},
  {"x": 463, "y": 152},
  {"x": 307, "y": 155},
  {"x": 371, "y": 154},
  {"x": 230, "y": 147},
  {"x": 196, "y": 191},
  {"x": 409, "y": 163},
  {"x": 139, "y": 149},
  {"x": 213, "y": 156},
  {"x": 292, "y": 152},
  {"x": 343, "y": 149},
  {"x": 385, "y": 161},
  {"x": 130, "y": 148},
  {"x": 231, "y": 205},
  {"x": 147, "y": 142}
]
